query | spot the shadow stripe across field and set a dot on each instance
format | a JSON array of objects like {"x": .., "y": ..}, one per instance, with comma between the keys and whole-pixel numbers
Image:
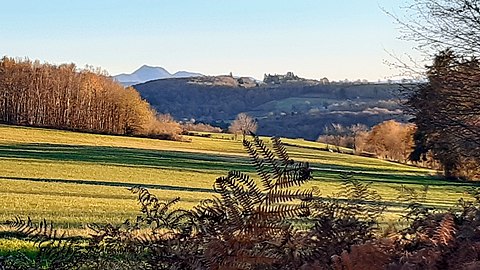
[
  {"x": 109, "y": 183},
  {"x": 195, "y": 162},
  {"x": 191, "y": 189}
]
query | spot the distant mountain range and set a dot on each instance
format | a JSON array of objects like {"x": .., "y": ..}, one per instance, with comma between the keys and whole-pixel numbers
[{"x": 148, "y": 73}]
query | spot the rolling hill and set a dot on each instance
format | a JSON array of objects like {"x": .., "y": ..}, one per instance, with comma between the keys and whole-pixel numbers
[{"x": 294, "y": 109}]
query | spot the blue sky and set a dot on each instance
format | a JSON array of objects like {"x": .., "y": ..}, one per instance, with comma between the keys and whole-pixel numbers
[{"x": 337, "y": 39}]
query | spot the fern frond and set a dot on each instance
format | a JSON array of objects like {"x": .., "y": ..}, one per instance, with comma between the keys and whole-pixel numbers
[
  {"x": 210, "y": 209},
  {"x": 160, "y": 213},
  {"x": 293, "y": 175},
  {"x": 54, "y": 249},
  {"x": 267, "y": 155},
  {"x": 163, "y": 207},
  {"x": 261, "y": 169},
  {"x": 249, "y": 183},
  {"x": 354, "y": 189},
  {"x": 43, "y": 231},
  {"x": 231, "y": 206},
  {"x": 281, "y": 151},
  {"x": 284, "y": 211},
  {"x": 411, "y": 195},
  {"x": 445, "y": 232},
  {"x": 283, "y": 196}
]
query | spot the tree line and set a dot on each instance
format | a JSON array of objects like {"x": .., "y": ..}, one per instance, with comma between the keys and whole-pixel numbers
[
  {"x": 66, "y": 97},
  {"x": 188, "y": 99}
]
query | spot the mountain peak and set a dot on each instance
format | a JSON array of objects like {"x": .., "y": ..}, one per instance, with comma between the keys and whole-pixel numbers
[
  {"x": 148, "y": 73},
  {"x": 147, "y": 67}
]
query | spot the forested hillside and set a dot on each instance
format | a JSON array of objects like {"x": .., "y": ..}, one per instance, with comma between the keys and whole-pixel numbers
[{"x": 291, "y": 109}]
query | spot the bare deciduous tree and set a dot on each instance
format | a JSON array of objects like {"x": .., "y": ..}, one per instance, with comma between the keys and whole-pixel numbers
[
  {"x": 334, "y": 134},
  {"x": 357, "y": 132},
  {"x": 437, "y": 25},
  {"x": 243, "y": 124}
]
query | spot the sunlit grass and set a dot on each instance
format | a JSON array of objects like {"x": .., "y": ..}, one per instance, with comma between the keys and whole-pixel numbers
[
  {"x": 11, "y": 245},
  {"x": 76, "y": 178}
]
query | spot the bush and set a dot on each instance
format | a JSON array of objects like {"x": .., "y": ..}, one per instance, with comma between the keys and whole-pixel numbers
[
  {"x": 163, "y": 126},
  {"x": 200, "y": 127}
]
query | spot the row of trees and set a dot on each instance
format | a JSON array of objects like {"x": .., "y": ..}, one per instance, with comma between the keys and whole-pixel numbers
[
  {"x": 340, "y": 136},
  {"x": 62, "y": 96},
  {"x": 200, "y": 127}
]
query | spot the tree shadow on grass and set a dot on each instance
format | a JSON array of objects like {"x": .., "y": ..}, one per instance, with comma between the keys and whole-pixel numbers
[
  {"x": 110, "y": 183},
  {"x": 196, "y": 162},
  {"x": 331, "y": 175},
  {"x": 125, "y": 157}
]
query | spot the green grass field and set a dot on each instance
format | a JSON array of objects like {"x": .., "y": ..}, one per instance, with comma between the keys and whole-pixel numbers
[{"x": 75, "y": 178}]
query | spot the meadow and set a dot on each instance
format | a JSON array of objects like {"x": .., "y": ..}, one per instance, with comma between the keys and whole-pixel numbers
[{"x": 75, "y": 178}]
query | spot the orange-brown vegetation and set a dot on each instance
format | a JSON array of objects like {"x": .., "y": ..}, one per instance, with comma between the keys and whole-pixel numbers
[
  {"x": 388, "y": 140},
  {"x": 65, "y": 97},
  {"x": 201, "y": 127}
]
